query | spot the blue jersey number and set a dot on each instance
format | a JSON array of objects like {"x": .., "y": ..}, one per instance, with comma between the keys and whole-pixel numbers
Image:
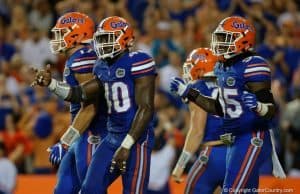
[
  {"x": 117, "y": 97},
  {"x": 230, "y": 106}
]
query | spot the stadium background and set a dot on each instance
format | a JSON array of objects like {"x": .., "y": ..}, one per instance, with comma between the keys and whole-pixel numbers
[{"x": 31, "y": 119}]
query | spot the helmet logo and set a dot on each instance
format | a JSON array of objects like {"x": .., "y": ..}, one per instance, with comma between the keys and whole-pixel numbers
[
  {"x": 200, "y": 57},
  {"x": 69, "y": 20},
  {"x": 119, "y": 24},
  {"x": 239, "y": 25}
]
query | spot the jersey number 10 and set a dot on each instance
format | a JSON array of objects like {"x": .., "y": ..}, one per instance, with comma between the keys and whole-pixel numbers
[{"x": 117, "y": 97}]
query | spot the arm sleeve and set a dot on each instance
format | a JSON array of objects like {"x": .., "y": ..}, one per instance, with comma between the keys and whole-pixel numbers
[
  {"x": 84, "y": 63},
  {"x": 257, "y": 70},
  {"x": 142, "y": 65}
]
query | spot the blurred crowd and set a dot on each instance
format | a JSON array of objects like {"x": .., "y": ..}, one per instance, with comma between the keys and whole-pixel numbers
[{"x": 31, "y": 119}]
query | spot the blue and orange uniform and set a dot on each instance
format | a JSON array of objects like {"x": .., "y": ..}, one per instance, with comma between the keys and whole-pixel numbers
[
  {"x": 73, "y": 167},
  {"x": 252, "y": 145},
  {"x": 118, "y": 79},
  {"x": 203, "y": 177}
]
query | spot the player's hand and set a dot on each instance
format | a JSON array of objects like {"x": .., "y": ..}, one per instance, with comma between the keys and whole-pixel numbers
[
  {"x": 179, "y": 87},
  {"x": 42, "y": 77},
  {"x": 250, "y": 100},
  {"x": 120, "y": 159},
  {"x": 177, "y": 174},
  {"x": 57, "y": 153}
]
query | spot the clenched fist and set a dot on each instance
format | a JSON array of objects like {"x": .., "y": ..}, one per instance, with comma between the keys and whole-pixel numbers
[{"x": 42, "y": 77}]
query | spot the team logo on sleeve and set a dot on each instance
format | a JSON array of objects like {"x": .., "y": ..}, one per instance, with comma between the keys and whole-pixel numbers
[
  {"x": 120, "y": 73},
  {"x": 230, "y": 81},
  {"x": 247, "y": 59},
  {"x": 66, "y": 71}
]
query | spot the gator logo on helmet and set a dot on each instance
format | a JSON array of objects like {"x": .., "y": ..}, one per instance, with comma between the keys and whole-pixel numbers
[
  {"x": 239, "y": 25},
  {"x": 119, "y": 24},
  {"x": 200, "y": 57},
  {"x": 72, "y": 20}
]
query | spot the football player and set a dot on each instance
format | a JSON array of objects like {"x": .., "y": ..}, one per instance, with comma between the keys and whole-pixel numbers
[
  {"x": 128, "y": 80},
  {"x": 72, "y": 35},
  {"x": 205, "y": 129},
  {"x": 244, "y": 101}
]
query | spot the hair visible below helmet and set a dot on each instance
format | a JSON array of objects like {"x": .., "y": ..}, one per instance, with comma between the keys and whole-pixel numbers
[
  {"x": 71, "y": 29},
  {"x": 113, "y": 36},
  {"x": 199, "y": 63},
  {"x": 234, "y": 35}
]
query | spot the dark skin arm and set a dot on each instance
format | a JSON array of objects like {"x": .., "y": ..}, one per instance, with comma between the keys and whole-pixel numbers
[
  {"x": 90, "y": 89},
  {"x": 213, "y": 106},
  {"x": 254, "y": 87},
  {"x": 144, "y": 97},
  {"x": 208, "y": 104}
]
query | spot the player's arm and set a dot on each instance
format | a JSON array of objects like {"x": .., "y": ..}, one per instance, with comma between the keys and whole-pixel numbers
[
  {"x": 196, "y": 130},
  {"x": 263, "y": 101},
  {"x": 193, "y": 139},
  {"x": 83, "y": 118},
  {"x": 208, "y": 104},
  {"x": 144, "y": 97},
  {"x": 258, "y": 96},
  {"x": 85, "y": 92},
  {"x": 184, "y": 90}
]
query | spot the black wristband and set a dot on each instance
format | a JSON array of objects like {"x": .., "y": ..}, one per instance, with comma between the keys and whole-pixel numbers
[{"x": 192, "y": 94}]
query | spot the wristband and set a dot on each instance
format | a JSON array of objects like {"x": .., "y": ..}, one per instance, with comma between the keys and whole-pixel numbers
[
  {"x": 52, "y": 85},
  {"x": 61, "y": 89},
  {"x": 70, "y": 136},
  {"x": 184, "y": 159},
  {"x": 128, "y": 142},
  {"x": 262, "y": 109}
]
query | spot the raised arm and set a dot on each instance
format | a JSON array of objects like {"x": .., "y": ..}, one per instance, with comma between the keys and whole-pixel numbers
[
  {"x": 85, "y": 92},
  {"x": 184, "y": 90}
]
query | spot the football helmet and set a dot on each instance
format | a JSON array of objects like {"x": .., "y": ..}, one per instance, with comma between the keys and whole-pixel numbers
[
  {"x": 113, "y": 36},
  {"x": 234, "y": 35},
  {"x": 71, "y": 29},
  {"x": 199, "y": 63}
]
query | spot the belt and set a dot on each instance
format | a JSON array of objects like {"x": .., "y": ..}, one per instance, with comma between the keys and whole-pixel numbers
[
  {"x": 94, "y": 139},
  {"x": 225, "y": 139}
]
